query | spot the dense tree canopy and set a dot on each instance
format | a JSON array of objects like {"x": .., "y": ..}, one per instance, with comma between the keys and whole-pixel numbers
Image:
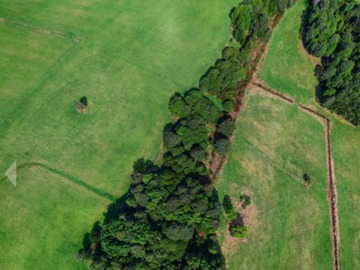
[{"x": 331, "y": 30}]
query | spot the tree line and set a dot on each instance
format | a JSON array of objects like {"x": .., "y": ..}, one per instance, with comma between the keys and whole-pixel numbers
[
  {"x": 331, "y": 30},
  {"x": 169, "y": 216}
]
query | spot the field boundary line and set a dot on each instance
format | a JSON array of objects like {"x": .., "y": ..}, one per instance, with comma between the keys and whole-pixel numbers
[
  {"x": 69, "y": 36},
  {"x": 277, "y": 95},
  {"x": 68, "y": 177},
  {"x": 331, "y": 190}
]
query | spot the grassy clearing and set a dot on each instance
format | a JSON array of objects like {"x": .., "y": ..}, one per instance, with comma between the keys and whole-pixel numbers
[
  {"x": 287, "y": 65},
  {"x": 132, "y": 57},
  {"x": 271, "y": 152},
  {"x": 290, "y": 70}
]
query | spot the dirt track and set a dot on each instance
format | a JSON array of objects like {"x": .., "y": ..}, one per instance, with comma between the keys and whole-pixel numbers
[{"x": 331, "y": 192}]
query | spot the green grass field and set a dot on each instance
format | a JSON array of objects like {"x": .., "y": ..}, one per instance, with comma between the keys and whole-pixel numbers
[
  {"x": 128, "y": 58},
  {"x": 43, "y": 221},
  {"x": 274, "y": 145},
  {"x": 287, "y": 65},
  {"x": 346, "y": 153},
  {"x": 291, "y": 71}
]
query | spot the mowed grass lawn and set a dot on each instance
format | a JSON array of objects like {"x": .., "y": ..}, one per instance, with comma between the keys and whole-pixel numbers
[
  {"x": 291, "y": 71},
  {"x": 274, "y": 145},
  {"x": 132, "y": 56}
]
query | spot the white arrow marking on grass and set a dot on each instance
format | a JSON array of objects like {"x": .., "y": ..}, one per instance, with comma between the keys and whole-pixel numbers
[{"x": 11, "y": 173}]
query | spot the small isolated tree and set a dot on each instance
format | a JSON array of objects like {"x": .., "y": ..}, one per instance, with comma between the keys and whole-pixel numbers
[
  {"x": 238, "y": 231},
  {"x": 84, "y": 101},
  {"x": 307, "y": 180}
]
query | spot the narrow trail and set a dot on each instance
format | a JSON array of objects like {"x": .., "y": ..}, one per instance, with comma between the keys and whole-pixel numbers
[
  {"x": 68, "y": 177},
  {"x": 331, "y": 191},
  {"x": 69, "y": 36}
]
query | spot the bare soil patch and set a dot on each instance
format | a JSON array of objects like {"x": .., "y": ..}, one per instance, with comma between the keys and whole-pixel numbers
[
  {"x": 81, "y": 108},
  {"x": 248, "y": 216}
]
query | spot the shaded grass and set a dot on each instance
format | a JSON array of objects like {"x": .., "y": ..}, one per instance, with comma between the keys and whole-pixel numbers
[
  {"x": 291, "y": 71},
  {"x": 132, "y": 57},
  {"x": 275, "y": 144}
]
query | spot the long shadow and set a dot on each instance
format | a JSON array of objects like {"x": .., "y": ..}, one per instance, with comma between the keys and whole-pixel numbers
[{"x": 69, "y": 177}]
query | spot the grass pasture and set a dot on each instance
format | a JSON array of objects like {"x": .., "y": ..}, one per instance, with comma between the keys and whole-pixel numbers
[
  {"x": 43, "y": 220},
  {"x": 291, "y": 71},
  {"x": 274, "y": 145},
  {"x": 346, "y": 153},
  {"x": 287, "y": 64},
  {"x": 128, "y": 58}
]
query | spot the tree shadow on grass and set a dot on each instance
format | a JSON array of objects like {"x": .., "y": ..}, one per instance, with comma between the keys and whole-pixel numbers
[
  {"x": 114, "y": 209},
  {"x": 238, "y": 221},
  {"x": 318, "y": 71}
]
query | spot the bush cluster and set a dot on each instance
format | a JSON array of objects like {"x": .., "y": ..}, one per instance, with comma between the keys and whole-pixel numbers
[{"x": 245, "y": 200}]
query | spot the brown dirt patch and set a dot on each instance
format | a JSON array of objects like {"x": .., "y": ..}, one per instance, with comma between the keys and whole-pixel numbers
[
  {"x": 248, "y": 216},
  {"x": 162, "y": 150},
  {"x": 216, "y": 161},
  {"x": 230, "y": 244},
  {"x": 81, "y": 108}
]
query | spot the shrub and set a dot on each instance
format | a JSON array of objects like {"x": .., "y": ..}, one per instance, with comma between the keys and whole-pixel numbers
[
  {"x": 229, "y": 208},
  {"x": 245, "y": 200},
  {"x": 238, "y": 231},
  {"x": 84, "y": 101}
]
